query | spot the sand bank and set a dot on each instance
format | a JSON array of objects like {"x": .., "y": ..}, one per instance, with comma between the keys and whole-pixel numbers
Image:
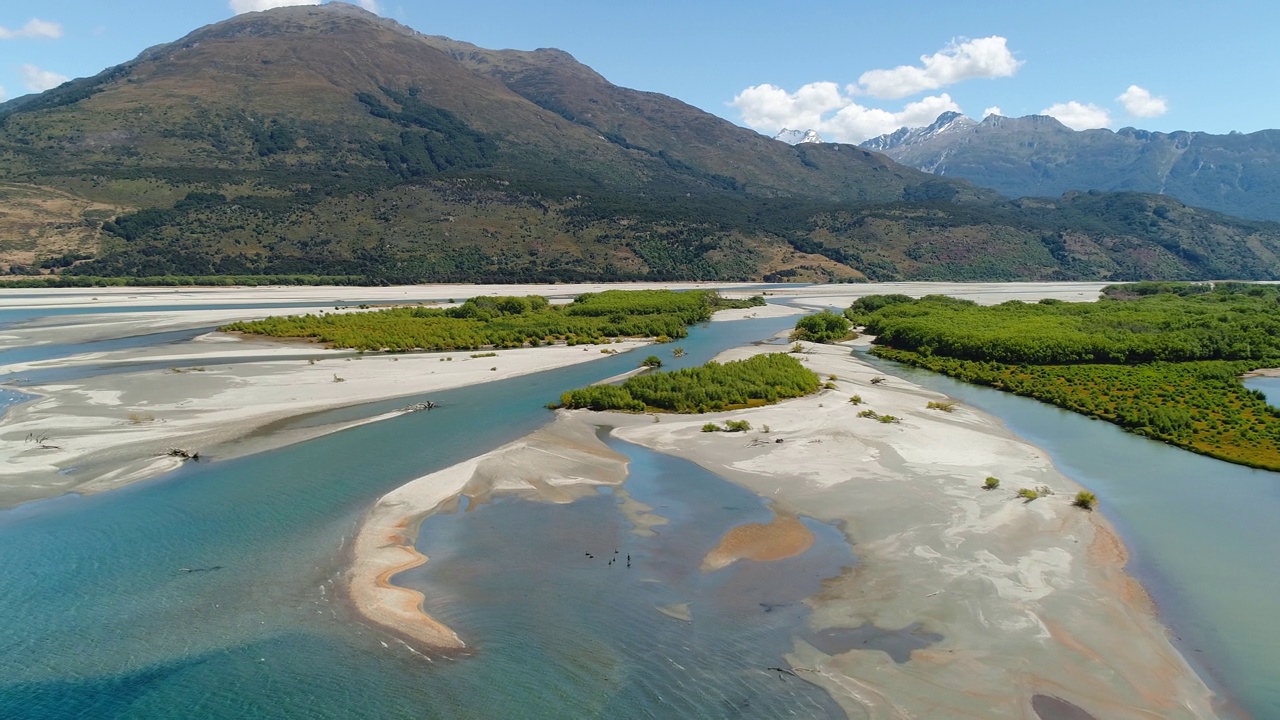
[
  {"x": 559, "y": 463},
  {"x": 1030, "y": 598},
  {"x": 106, "y": 431}
]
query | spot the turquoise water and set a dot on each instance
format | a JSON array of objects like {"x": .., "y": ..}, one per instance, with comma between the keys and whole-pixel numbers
[
  {"x": 1203, "y": 534},
  {"x": 100, "y": 616},
  {"x": 570, "y": 590}
]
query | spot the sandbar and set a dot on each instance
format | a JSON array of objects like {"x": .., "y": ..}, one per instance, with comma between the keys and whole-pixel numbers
[
  {"x": 1029, "y": 598},
  {"x": 558, "y": 463}
]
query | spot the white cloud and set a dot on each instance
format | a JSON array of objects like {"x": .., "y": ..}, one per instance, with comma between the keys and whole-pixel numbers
[
  {"x": 35, "y": 28},
  {"x": 993, "y": 110},
  {"x": 987, "y": 57},
  {"x": 821, "y": 106},
  {"x": 1078, "y": 116},
  {"x": 1139, "y": 102},
  {"x": 244, "y": 6},
  {"x": 39, "y": 80}
]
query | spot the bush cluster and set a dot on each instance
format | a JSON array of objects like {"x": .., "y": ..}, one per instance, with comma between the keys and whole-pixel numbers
[{"x": 758, "y": 380}]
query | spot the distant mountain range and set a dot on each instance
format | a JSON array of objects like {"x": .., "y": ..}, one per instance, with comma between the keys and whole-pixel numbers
[
  {"x": 1036, "y": 155},
  {"x": 326, "y": 140}
]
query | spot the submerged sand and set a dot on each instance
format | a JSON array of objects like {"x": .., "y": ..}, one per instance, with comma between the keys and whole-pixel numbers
[
  {"x": 781, "y": 538},
  {"x": 559, "y": 463}
]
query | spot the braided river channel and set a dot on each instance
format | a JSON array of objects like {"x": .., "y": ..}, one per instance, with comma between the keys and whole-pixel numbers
[{"x": 214, "y": 591}]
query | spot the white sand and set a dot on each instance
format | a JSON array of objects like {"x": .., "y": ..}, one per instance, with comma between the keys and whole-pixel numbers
[
  {"x": 1030, "y": 597},
  {"x": 110, "y": 430}
]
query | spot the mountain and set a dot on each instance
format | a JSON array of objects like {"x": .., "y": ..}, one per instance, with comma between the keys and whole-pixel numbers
[
  {"x": 1037, "y": 155},
  {"x": 797, "y": 137},
  {"x": 326, "y": 140}
]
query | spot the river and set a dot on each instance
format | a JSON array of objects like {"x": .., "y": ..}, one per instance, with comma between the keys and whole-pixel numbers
[{"x": 211, "y": 591}]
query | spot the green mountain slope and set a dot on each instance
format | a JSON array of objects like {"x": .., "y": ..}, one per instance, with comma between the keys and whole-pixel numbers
[{"x": 326, "y": 140}]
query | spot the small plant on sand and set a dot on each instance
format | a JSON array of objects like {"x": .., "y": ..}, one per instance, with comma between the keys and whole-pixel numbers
[
  {"x": 1085, "y": 500},
  {"x": 711, "y": 427},
  {"x": 797, "y": 348},
  {"x": 1044, "y": 490},
  {"x": 887, "y": 419},
  {"x": 943, "y": 405},
  {"x": 877, "y": 380},
  {"x": 488, "y": 354},
  {"x": 736, "y": 425},
  {"x": 829, "y": 385},
  {"x": 137, "y": 418},
  {"x": 991, "y": 483},
  {"x": 832, "y": 378},
  {"x": 653, "y": 361},
  {"x": 764, "y": 428},
  {"x": 1028, "y": 494},
  {"x": 869, "y": 414},
  {"x": 338, "y": 379},
  {"x": 855, "y": 400}
]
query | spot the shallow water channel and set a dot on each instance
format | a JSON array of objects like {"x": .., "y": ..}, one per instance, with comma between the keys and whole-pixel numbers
[{"x": 211, "y": 591}]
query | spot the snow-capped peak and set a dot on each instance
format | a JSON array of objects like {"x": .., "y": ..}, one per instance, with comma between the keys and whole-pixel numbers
[
  {"x": 796, "y": 137},
  {"x": 947, "y": 122}
]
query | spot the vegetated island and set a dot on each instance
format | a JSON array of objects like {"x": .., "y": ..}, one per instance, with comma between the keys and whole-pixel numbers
[
  {"x": 506, "y": 322},
  {"x": 1162, "y": 360},
  {"x": 755, "y": 381}
]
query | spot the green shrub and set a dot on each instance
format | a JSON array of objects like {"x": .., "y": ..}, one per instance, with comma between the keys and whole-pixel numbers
[
  {"x": 736, "y": 425},
  {"x": 886, "y": 419},
  {"x": 651, "y": 362},
  {"x": 869, "y": 414},
  {"x": 822, "y": 327},
  {"x": 1028, "y": 494},
  {"x": 1085, "y": 499},
  {"x": 943, "y": 405},
  {"x": 711, "y": 427},
  {"x": 855, "y": 400},
  {"x": 991, "y": 483}
]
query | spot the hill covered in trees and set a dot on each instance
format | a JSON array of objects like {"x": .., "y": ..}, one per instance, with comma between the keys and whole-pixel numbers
[{"x": 326, "y": 141}]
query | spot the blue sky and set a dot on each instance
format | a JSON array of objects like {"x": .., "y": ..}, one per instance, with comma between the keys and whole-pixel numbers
[{"x": 849, "y": 69}]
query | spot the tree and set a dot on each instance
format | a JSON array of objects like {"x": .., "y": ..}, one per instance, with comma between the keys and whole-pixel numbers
[{"x": 823, "y": 327}]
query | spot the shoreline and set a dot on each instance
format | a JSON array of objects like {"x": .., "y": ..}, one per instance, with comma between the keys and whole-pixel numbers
[
  {"x": 560, "y": 462},
  {"x": 1031, "y": 599},
  {"x": 107, "y": 431},
  {"x": 1047, "y": 605}
]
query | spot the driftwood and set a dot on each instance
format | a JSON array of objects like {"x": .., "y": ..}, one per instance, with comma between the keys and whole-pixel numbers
[
  {"x": 184, "y": 454},
  {"x": 419, "y": 407},
  {"x": 42, "y": 441}
]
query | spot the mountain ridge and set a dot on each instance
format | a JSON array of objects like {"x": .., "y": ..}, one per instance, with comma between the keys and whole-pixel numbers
[
  {"x": 326, "y": 140},
  {"x": 1035, "y": 155}
]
